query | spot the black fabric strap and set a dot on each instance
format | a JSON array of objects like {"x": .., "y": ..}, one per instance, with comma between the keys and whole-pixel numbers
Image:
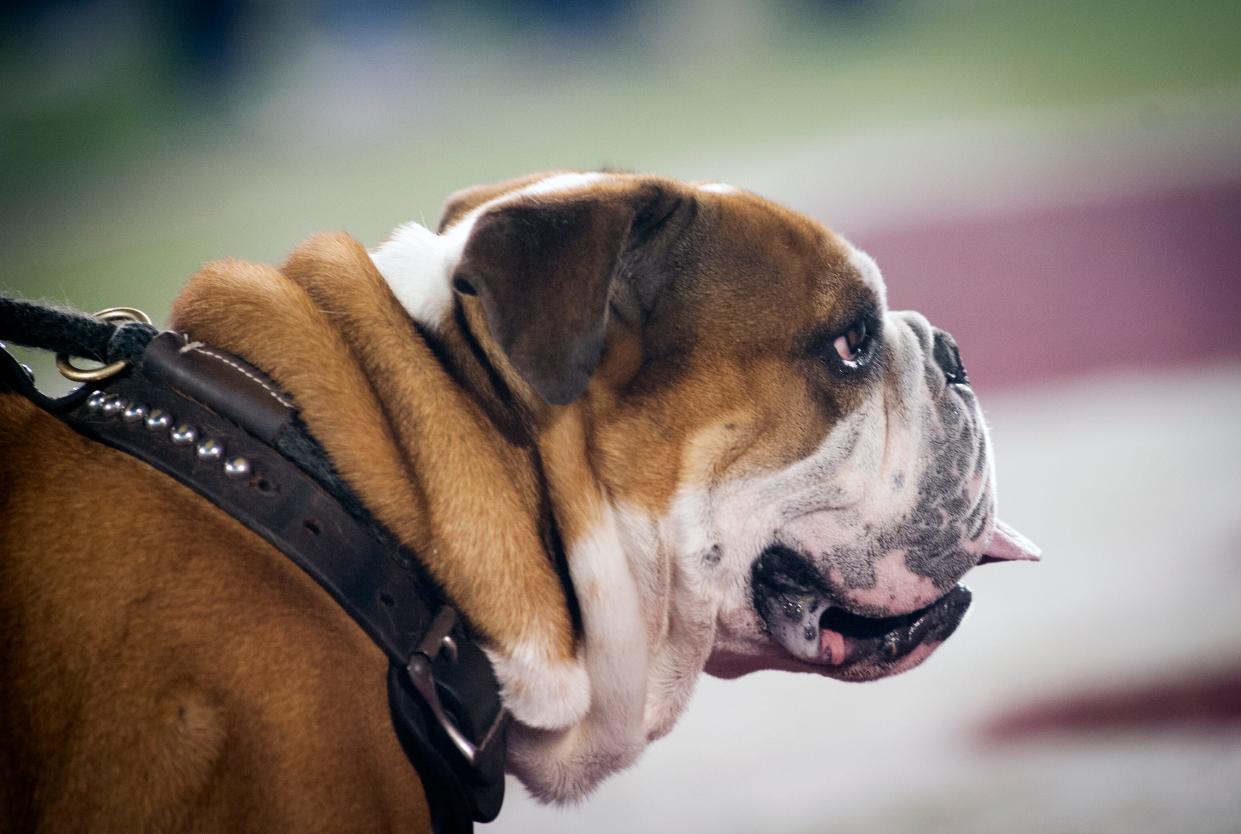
[{"x": 63, "y": 330}]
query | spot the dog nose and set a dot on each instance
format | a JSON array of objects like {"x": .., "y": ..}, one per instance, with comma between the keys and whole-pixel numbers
[{"x": 948, "y": 357}]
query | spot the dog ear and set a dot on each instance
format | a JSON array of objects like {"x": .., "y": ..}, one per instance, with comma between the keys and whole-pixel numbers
[{"x": 544, "y": 270}]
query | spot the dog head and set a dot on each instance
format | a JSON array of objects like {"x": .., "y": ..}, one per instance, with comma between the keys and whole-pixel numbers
[{"x": 796, "y": 476}]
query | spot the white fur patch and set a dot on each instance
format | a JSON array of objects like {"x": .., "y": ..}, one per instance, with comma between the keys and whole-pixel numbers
[
  {"x": 417, "y": 264},
  {"x": 718, "y": 188},
  {"x": 611, "y": 614},
  {"x": 539, "y": 690},
  {"x": 554, "y": 184}
]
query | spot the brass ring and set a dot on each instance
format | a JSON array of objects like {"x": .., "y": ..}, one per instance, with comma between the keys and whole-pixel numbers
[{"x": 70, "y": 371}]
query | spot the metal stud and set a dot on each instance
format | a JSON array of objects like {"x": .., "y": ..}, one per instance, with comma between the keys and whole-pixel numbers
[
  {"x": 95, "y": 401},
  {"x": 237, "y": 467},
  {"x": 184, "y": 434},
  {"x": 158, "y": 419},
  {"x": 210, "y": 449},
  {"x": 113, "y": 406},
  {"x": 135, "y": 412}
]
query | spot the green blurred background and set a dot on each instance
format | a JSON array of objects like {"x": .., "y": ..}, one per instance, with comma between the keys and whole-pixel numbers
[{"x": 1058, "y": 183}]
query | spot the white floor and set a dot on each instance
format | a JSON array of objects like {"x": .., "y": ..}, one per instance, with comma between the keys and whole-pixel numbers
[{"x": 1132, "y": 485}]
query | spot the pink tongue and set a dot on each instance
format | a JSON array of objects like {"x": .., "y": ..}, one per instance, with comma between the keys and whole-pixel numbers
[
  {"x": 832, "y": 647},
  {"x": 1008, "y": 545}
]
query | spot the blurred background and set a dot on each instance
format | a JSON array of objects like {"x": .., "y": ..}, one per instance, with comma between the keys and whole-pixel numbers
[{"x": 1058, "y": 183}]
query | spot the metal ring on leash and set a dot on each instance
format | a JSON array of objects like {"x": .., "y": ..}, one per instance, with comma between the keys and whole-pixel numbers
[{"x": 69, "y": 371}]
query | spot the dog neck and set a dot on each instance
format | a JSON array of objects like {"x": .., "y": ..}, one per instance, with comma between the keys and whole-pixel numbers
[{"x": 422, "y": 432}]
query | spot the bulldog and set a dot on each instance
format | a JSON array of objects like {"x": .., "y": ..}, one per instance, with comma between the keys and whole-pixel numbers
[{"x": 637, "y": 429}]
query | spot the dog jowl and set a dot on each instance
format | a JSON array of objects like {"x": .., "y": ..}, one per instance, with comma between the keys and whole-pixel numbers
[{"x": 751, "y": 462}]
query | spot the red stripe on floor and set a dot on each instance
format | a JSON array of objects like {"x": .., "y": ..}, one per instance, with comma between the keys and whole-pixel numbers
[
  {"x": 1139, "y": 282},
  {"x": 1210, "y": 699}
]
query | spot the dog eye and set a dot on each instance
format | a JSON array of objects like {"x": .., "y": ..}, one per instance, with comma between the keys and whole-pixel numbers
[{"x": 853, "y": 346}]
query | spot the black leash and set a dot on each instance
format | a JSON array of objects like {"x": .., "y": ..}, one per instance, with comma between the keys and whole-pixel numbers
[
  {"x": 221, "y": 427},
  {"x": 69, "y": 332}
]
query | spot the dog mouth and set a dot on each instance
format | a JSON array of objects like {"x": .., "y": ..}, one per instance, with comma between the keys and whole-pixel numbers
[
  {"x": 798, "y": 613},
  {"x": 861, "y": 646}
]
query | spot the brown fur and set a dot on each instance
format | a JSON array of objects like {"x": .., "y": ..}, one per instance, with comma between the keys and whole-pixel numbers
[
  {"x": 419, "y": 451},
  {"x": 167, "y": 670}
]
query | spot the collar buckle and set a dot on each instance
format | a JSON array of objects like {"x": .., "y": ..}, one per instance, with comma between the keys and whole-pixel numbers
[{"x": 438, "y": 647}]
